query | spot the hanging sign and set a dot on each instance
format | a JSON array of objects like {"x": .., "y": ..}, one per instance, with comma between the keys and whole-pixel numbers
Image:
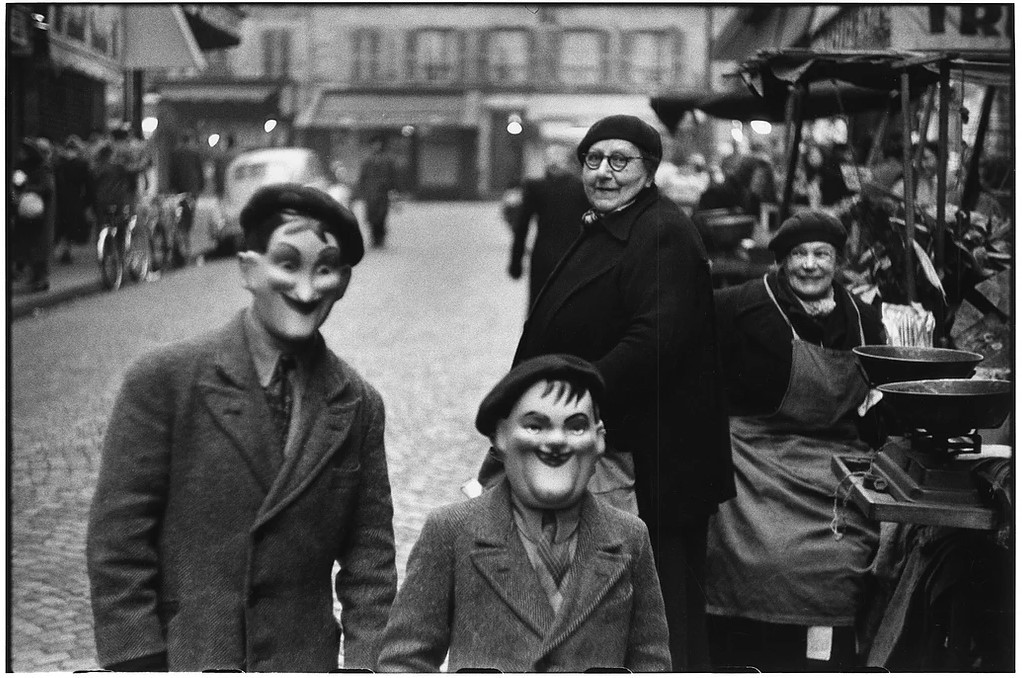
[{"x": 951, "y": 27}]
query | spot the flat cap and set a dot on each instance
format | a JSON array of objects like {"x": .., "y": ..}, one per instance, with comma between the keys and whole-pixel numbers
[
  {"x": 627, "y": 127},
  {"x": 499, "y": 402},
  {"x": 809, "y": 226},
  {"x": 270, "y": 205}
]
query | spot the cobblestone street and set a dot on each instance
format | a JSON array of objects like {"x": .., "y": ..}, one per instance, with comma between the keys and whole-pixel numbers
[{"x": 432, "y": 321}]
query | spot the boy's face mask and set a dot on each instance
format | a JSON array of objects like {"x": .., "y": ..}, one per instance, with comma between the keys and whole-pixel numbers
[
  {"x": 550, "y": 444},
  {"x": 296, "y": 282}
]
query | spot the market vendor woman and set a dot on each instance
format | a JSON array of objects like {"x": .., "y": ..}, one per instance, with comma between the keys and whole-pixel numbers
[{"x": 784, "y": 583}]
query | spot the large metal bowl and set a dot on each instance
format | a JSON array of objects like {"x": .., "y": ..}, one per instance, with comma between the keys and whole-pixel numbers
[
  {"x": 886, "y": 364},
  {"x": 948, "y": 406}
]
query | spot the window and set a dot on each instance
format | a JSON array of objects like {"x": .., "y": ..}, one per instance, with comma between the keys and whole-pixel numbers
[
  {"x": 507, "y": 56},
  {"x": 367, "y": 55},
  {"x": 650, "y": 58},
  {"x": 277, "y": 53},
  {"x": 436, "y": 56},
  {"x": 582, "y": 57},
  {"x": 73, "y": 21}
]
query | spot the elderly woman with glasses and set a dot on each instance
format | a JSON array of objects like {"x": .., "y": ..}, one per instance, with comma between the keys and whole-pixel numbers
[
  {"x": 786, "y": 570},
  {"x": 633, "y": 296}
]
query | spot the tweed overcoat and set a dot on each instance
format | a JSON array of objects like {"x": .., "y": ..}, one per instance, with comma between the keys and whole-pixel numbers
[
  {"x": 471, "y": 589},
  {"x": 198, "y": 546},
  {"x": 633, "y": 296}
]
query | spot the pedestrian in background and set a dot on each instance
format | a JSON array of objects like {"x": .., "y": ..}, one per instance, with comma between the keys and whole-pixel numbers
[
  {"x": 377, "y": 177},
  {"x": 557, "y": 201},
  {"x": 536, "y": 574},
  {"x": 186, "y": 176},
  {"x": 34, "y": 213},
  {"x": 633, "y": 296},
  {"x": 225, "y": 155},
  {"x": 74, "y": 197},
  {"x": 133, "y": 155},
  {"x": 240, "y": 466}
]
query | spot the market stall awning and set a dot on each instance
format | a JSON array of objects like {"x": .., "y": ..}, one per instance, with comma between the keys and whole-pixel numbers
[
  {"x": 879, "y": 70},
  {"x": 333, "y": 109},
  {"x": 199, "y": 92},
  {"x": 158, "y": 37},
  {"x": 825, "y": 99},
  {"x": 215, "y": 26}
]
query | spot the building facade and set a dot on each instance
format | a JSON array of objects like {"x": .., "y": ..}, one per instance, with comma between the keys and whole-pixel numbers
[
  {"x": 466, "y": 95},
  {"x": 76, "y": 68}
]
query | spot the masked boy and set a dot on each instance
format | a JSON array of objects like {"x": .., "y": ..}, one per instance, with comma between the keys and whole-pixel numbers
[
  {"x": 239, "y": 467},
  {"x": 536, "y": 574}
]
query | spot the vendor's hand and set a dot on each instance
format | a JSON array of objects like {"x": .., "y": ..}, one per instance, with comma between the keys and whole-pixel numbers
[
  {"x": 872, "y": 398},
  {"x": 514, "y": 270}
]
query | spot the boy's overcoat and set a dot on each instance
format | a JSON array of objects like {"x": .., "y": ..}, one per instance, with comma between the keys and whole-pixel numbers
[
  {"x": 471, "y": 588},
  {"x": 206, "y": 543}
]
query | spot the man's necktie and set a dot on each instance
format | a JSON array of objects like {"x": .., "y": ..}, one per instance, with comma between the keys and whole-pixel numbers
[
  {"x": 589, "y": 218},
  {"x": 280, "y": 395},
  {"x": 554, "y": 556}
]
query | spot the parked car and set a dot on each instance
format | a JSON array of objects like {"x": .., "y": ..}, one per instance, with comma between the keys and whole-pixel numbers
[{"x": 254, "y": 169}]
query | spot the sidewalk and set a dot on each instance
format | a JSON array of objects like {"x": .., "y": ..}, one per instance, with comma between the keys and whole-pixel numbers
[{"x": 67, "y": 281}]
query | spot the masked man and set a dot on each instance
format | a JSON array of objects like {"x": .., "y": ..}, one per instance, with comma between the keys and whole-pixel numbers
[
  {"x": 239, "y": 467},
  {"x": 535, "y": 574}
]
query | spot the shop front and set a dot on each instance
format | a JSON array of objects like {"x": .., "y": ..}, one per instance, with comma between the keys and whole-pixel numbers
[{"x": 433, "y": 138}]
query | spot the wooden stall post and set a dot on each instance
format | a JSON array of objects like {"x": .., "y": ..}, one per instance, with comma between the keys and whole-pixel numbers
[
  {"x": 970, "y": 194},
  {"x": 943, "y": 115},
  {"x": 909, "y": 182},
  {"x": 796, "y": 101}
]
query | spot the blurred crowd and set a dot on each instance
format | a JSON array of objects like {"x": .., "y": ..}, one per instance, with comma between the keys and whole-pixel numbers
[{"x": 58, "y": 191}]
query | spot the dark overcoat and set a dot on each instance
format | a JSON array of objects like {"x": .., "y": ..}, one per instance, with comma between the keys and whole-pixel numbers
[
  {"x": 198, "y": 546},
  {"x": 557, "y": 201},
  {"x": 633, "y": 296},
  {"x": 471, "y": 589}
]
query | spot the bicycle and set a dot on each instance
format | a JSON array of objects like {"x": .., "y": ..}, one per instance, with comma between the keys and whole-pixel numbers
[{"x": 121, "y": 247}]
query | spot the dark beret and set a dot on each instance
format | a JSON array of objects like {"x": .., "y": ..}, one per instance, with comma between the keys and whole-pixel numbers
[
  {"x": 499, "y": 402},
  {"x": 810, "y": 226},
  {"x": 272, "y": 202},
  {"x": 627, "y": 127}
]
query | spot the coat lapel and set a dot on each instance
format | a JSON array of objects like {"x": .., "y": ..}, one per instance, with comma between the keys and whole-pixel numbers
[
  {"x": 590, "y": 256},
  {"x": 323, "y": 420},
  {"x": 230, "y": 390},
  {"x": 500, "y": 558},
  {"x": 599, "y": 563}
]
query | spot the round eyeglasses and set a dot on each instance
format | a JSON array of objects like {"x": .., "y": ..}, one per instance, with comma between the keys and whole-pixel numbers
[{"x": 593, "y": 160}]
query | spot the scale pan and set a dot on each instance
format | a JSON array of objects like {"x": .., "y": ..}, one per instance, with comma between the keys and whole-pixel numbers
[
  {"x": 886, "y": 364},
  {"x": 949, "y": 407}
]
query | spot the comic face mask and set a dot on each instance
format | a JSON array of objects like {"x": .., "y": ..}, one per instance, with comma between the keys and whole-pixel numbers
[{"x": 549, "y": 444}]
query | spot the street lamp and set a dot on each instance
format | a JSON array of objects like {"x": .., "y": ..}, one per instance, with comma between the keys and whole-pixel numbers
[
  {"x": 149, "y": 126},
  {"x": 514, "y": 124},
  {"x": 269, "y": 125},
  {"x": 213, "y": 140}
]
